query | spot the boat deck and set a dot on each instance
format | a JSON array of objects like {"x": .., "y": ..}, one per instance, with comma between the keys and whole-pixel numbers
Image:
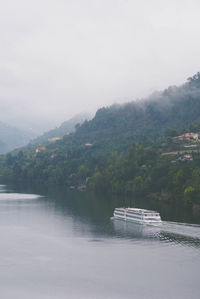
[{"x": 137, "y": 210}]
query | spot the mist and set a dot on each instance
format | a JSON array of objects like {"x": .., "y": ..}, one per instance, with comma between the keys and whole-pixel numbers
[{"x": 60, "y": 58}]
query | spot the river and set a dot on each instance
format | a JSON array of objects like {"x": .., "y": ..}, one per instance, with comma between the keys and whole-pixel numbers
[{"x": 57, "y": 244}]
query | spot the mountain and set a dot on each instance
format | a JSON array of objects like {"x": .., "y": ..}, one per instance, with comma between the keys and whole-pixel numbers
[
  {"x": 121, "y": 150},
  {"x": 64, "y": 129},
  {"x": 11, "y": 138},
  {"x": 176, "y": 109}
]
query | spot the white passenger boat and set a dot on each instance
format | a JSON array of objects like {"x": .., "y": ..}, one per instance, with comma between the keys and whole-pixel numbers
[{"x": 138, "y": 215}]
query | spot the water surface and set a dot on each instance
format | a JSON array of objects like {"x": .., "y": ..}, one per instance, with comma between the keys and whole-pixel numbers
[{"x": 64, "y": 245}]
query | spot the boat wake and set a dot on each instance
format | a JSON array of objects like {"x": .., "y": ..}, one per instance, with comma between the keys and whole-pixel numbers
[
  {"x": 168, "y": 232},
  {"x": 186, "y": 229}
]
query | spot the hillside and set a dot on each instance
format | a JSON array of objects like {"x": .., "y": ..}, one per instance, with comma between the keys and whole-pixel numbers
[
  {"x": 121, "y": 150},
  {"x": 64, "y": 129},
  {"x": 176, "y": 108},
  {"x": 11, "y": 138}
]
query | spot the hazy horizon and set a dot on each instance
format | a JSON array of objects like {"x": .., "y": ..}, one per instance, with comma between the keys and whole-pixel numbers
[{"x": 61, "y": 58}]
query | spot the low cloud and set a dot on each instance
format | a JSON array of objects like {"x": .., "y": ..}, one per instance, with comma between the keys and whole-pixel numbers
[{"x": 62, "y": 57}]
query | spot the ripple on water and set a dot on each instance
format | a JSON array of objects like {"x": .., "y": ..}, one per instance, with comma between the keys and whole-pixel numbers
[
  {"x": 168, "y": 233},
  {"x": 179, "y": 239}
]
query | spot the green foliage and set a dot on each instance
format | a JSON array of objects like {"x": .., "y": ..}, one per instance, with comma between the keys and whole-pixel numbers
[
  {"x": 189, "y": 194},
  {"x": 124, "y": 152}
]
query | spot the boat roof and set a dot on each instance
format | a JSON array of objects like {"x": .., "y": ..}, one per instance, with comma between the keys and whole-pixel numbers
[{"x": 138, "y": 210}]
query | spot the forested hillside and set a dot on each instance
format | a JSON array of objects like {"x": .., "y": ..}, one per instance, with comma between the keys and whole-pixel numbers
[
  {"x": 121, "y": 150},
  {"x": 176, "y": 108},
  {"x": 64, "y": 129}
]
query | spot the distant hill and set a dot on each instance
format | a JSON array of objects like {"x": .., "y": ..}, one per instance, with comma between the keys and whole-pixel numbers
[
  {"x": 65, "y": 128},
  {"x": 11, "y": 138}
]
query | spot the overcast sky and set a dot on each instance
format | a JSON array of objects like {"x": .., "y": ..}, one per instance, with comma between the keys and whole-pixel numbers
[{"x": 62, "y": 57}]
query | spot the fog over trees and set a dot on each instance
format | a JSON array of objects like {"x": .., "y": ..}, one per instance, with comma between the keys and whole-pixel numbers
[{"x": 60, "y": 58}]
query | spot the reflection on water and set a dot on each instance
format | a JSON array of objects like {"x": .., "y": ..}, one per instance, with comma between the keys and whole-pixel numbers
[
  {"x": 130, "y": 230},
  {"x": 2, "y": 188},
  {"x": 87, "y": 214},
  {"x": 65, "y": 245},
  {"x": 17, "y": 196}
]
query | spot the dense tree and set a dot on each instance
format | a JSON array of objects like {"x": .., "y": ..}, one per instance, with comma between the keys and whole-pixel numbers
[{"x": 120, "y": 150}]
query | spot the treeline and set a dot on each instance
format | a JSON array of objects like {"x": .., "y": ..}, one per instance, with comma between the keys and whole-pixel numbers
[
  {"x": 143, "y": 172},
  {"x": 140, "y": 171}
]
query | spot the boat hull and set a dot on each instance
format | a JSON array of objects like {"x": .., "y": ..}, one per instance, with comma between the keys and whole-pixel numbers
[{"x": 138, "y": 221}]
